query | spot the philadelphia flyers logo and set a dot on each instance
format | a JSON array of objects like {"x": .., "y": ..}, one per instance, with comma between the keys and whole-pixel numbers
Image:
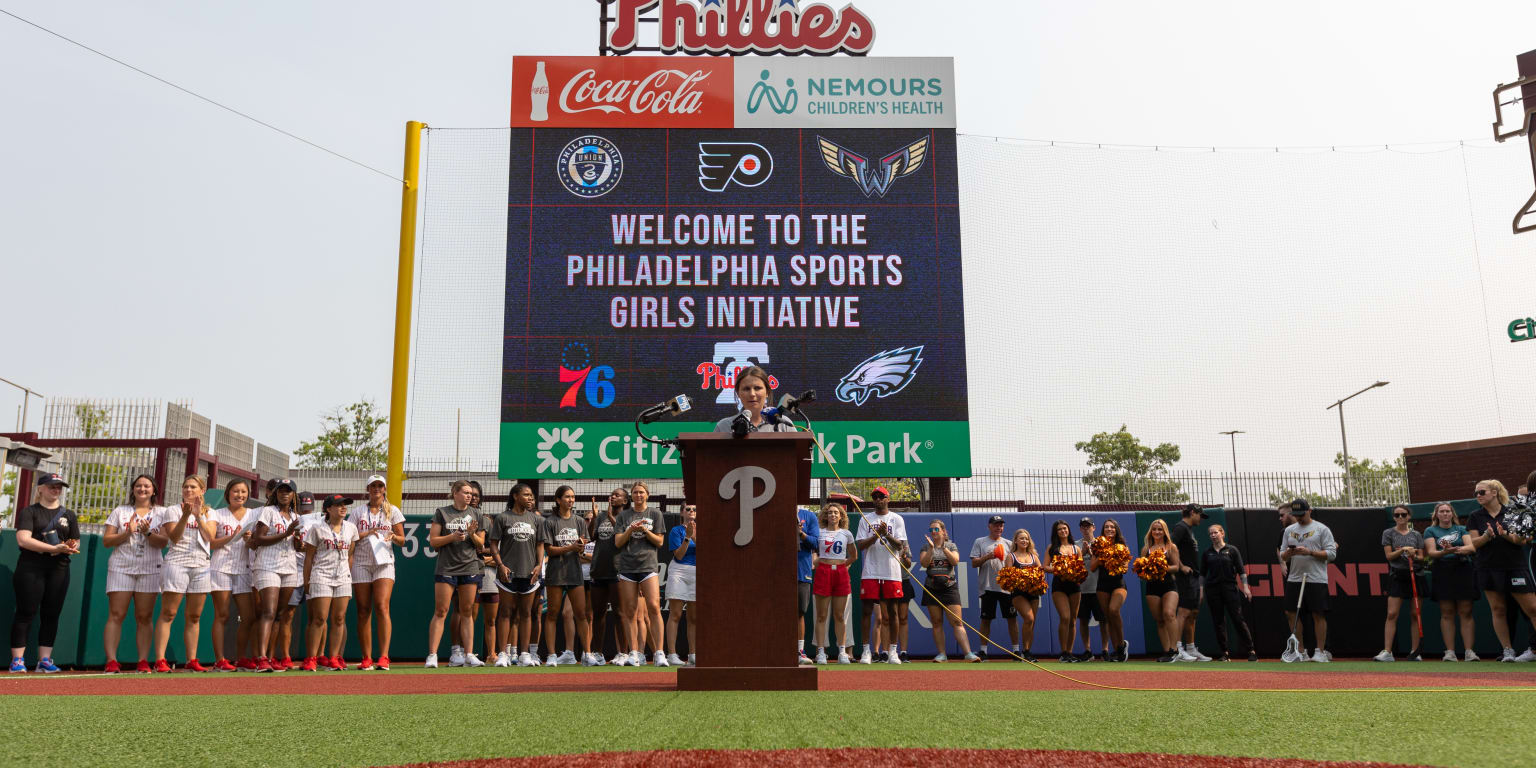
[{"x": 724, "y": 162}]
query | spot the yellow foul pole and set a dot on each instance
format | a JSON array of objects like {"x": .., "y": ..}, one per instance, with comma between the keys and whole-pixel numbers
[{"x": 404, "y": 285}]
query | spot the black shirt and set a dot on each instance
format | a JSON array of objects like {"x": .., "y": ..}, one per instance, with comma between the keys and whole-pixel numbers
[
  {"x": 1222, "y": 566},
  {"x": 35, "y": 518},
  {"x": 1497, "y": 553},
  {"x": 1184, "y": 538}
]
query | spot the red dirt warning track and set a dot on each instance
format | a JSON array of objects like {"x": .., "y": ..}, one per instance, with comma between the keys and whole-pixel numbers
[
  {"x": 968, "y": 679},
  {"x": 889, "y": 758}
]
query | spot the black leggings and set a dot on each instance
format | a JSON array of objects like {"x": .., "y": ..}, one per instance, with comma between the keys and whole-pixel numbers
[
  {"x": 38, "y": 590},
  {"x": 1221, "y": 599}
]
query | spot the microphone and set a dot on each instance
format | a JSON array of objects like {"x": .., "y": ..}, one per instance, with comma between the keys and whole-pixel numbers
[
  {"x": 676, "y": 405},
  {"x": 740, "y": 426},
  {"x": 790, "y": 403}
]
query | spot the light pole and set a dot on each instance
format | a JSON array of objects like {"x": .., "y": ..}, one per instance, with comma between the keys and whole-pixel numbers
[
  {"x": 1349, "y": 488},
  {"x": 25, "y": 401},
  {"x": 1233, "y": 433}
]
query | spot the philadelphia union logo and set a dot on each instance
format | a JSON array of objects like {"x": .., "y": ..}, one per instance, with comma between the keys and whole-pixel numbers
[
  {"x": 882, "y": 375},
  {"x": 590, "y": 166}
]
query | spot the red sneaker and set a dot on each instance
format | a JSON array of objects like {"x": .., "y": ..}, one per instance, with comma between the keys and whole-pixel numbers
[
  {"x": 337, "y": 664},
  {"x": 223, "y": 665},
  {"x": 143, "y": 668},
  {"x": 264, "y": 664},
  {"x": 383, "y": 663},
  {"x": 366, "y": 664},
  {"x": 247, "y": 665},
  {"x": 162, "y": 666},
  {"x": 309, "y": 664},
  {"x": 113, "y": 667},
  {"x": 287, "y": 663},
  {"x": 196, "y": 666}
]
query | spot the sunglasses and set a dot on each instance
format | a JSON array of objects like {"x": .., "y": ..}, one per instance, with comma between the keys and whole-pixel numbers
[
  {"x": 1481, "y": 493},
  {"x": 934, "y": 530},
  {"x": 1399, "y": 514}
]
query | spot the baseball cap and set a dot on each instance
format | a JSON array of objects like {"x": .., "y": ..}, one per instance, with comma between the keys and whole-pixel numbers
[
  {"x": 879, "y": 491},
  {"x": 336, "y": 500},
  {"x": 285, "y": 483},
  {"x": 51, "y": 478},
  {"x": 375, "y": 479},
  {"x": 995, "y": 519},
  {"x": 1195, "y": 509},
  {"x": 1300, "y": 505},
  {"x": 307, "y": 500},
  {"x": 1085, "y": 521}
]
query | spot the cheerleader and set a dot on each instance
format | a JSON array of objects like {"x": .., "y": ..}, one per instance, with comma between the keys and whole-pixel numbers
[
  {"x": 830, "y": 584},
  {"x": 941, "y": 596},
  {"x": 328, "y": 549},
  {"x": 1066, "y": 595},
  {"x": 517, "y": 547},
  {"x": 190, "y": 529},
  {"x": 1163, "y": 595},
  {"x": 230, "y": 574},
  {"x": 134, "y": 570},
  {"x": 1111, "y": 593},
  {"x": 381, "y": 528},
  {"x": 1027, "y": 604},
  {"x": 638, "y": 541},
  {"x": 275, "y": 573},
  {"x": 564, "y": 537}
]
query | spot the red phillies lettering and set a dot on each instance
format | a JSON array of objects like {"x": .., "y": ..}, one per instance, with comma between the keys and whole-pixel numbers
[{"x": 743, "y": 26}]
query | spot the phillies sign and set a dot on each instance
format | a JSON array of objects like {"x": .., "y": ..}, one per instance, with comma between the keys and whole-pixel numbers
[{"x": 746, "y": 26}]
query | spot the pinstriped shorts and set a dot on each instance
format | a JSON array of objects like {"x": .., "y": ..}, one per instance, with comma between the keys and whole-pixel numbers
[{"x": 130, "y": 582}]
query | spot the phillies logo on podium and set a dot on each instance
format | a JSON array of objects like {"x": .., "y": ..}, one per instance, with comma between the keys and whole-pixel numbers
[{"x": 746, "y": 26}]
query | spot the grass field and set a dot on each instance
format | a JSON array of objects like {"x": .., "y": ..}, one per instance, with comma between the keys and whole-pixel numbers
[{"x": 153, "y": 730}]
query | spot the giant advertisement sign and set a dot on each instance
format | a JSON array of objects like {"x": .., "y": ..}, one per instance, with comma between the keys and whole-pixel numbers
[{"x": 662, "y": 233}]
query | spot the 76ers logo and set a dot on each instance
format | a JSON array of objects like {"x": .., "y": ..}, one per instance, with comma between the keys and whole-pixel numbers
[
  {"x": 590, "y": 166},
  {"x": 722, "y": 162}
]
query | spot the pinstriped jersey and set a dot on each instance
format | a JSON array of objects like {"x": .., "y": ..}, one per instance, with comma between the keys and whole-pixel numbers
[
  {"x": 331, "y": 548},
  {"x": 233, "y": 557},
  {"x": 307, "y": 521},
  {"x": 134, "y": 556},
  {"x": 193, "y": 551},
  {"x": 368, "y": 524},
  {"x": 278, "y": 557}
]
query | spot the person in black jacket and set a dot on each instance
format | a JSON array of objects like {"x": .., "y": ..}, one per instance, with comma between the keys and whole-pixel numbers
[
  {"x": 1222, "y": 568},
  {"x": 47, "y": 534}
]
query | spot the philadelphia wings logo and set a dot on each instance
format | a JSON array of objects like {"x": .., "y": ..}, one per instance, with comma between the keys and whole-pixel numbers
[
  {"x": 873, "y": 179},
  {"x": 882, "y": 375}
]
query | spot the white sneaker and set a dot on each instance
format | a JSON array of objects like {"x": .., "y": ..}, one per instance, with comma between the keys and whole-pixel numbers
[
  {"x": 1321, "y": 656},
  {"x": 502, "y": 660},
  {"x": 1470, "y": 656},
  {"x": 675, "y": 660},
  {"x": 692, "y": 660},
  {"x": 1194, "y": 652},
  {"x": 895, "y": 656},
  {"x": 621, "y": 660},
  {"x": 1528, "y": 655},
  {"x": 471, "y": 660},
  {"x": 569, "y": 657},
  {"x": 940, "y": 659},
  {"x": 1183, "y": 655},
  {"x": 972, "y": 656},
  {"x": 598, "y": 660},
  {"x": 865, "y": 659},
  {"x": 431, "y": 661},
  {"x": 636, "y": 659},
  {"x": 552, "y": 661},
  {"x": 844, "y": 658},
  {"x": 533, "y": 659},
  {"x": 1387, "y": 656},
  {"x": 524, "y": 660},
  {"x": 661, "y": 660},
  {"x": 821, "y": 655},
  {"x": 1509, "y": 655},
  {"x": 588, "y": 661},
  {"x": 456, "y": 658}
]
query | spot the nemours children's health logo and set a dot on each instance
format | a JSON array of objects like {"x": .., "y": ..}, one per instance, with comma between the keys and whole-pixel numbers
[{"x": 590, "y": 166}]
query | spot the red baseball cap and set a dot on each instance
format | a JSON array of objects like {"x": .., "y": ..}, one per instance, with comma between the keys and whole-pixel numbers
[{"x": 881, "y": 491}]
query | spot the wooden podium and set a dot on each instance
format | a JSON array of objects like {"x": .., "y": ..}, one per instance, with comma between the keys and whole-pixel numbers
[{"x": 747, "y": 490}]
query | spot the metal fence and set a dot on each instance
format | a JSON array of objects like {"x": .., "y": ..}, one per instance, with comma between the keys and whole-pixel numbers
[{"x": 1243, "y": 489}]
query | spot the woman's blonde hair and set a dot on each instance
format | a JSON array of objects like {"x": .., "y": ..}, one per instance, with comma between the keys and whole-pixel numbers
[
  {"x": 842, "y": 520},
  {"x": 1498, "y": 490},
  {"x": 1434, "y": 517},
  {"x": 1027, "y": 537},
  {"x": 1146, "y": 541}
]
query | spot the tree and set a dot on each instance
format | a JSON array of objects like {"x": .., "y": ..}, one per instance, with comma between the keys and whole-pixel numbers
[
  {"x": 354, "y": 438},
  {"x": 98, "y": 478},
  {"x": 901, "y": 488},
  {"x": 1123, "y": 470},
  {"x": 8, "y": 491},
  {"x": 1376, "y": 484}
]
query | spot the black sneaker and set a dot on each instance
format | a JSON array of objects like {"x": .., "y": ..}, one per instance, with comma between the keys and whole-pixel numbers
[
  {"x": 1027, "y": 656},
  {"x": 1167, "y": 657},
  {"x": 1067, "y": 658},
  {"x": 1086, "y": 655},
  {"x": 1253, "y": 655},
  {"x": 885, "y": 657},
  {"x": 1413, "y": 656},
  {"x": 1125, "y": 651},
  {"x": 1223, "y": 657},
  {"x": 982, "y": 654},
  {"x": 1102, "y": 656},
  {"x": 903, "y": 656}
]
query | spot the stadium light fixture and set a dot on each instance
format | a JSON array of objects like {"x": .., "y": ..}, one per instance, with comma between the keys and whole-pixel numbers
[{"x": 1349, "y": 488}]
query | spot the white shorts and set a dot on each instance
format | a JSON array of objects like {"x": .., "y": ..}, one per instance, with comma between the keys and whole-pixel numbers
[
  {"x": 130, "y": 582},
  {"x": 327, "y": 589},
  {"x": 488, "y": 583},
  {"x": 188, "y": 581},
  {"x": 236, "y": 583},
  {"x": 367, "y": 574},
  {"x": 681, "y": 580},
  {"x": 267, "y": 579}
]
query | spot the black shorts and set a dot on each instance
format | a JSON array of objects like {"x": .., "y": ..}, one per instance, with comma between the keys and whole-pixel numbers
[
  {"x": 1090, "y": 608},
  {"x": 1189, "y": 591},
  {"x": 992, "y": 602},
  {"x": 1018, "y": 593},
  {"x": 602, "y": 581},
  {"x": 1160, "y": 587},
  {"x": 939, "y": 594},
  {"x": 1451, "y": 581},
  {"x": 1316, "y": 599},
  {"x": 1513, "y": 580},
  {"x": 1399, "y": 586},
  {"x": 804, "y": 597},
  {"x": 518, "y": 585},
  {"x": 1108, "y": 583},
  {"x": 1065, "y": 586}
]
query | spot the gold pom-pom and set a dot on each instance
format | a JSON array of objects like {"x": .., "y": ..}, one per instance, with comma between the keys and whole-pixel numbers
[{"x": 1153, "y": 566}]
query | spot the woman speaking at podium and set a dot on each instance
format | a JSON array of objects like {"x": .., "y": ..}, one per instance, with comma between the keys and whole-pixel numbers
[{"x": 753, "y": 392}]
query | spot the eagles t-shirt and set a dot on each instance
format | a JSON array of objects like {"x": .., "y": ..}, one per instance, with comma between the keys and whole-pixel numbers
[
  {"x": 517, "y": 536},
  {"x": 456, "y": 558},
  {"x": 604, "y": 550},
  {"x": 563, "y": 570},
  {"x": 639, "y": 555},
  {"x": 1446, "y": 538}
]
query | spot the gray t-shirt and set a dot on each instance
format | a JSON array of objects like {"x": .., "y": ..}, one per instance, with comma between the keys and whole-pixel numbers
[
  {"x": 563, "y": 570},
  {"x": 456, "y": 558},
  {"x": 639, "y": 555},
  {"x": 517, "y": 539},
  {"x": 940, "y": 570},
  {"x": 1090, "y": 584},
  {"x": 988, "y": 570},
  {"x": 1314, "y": 536},
  {"x": 724, "y": 425},
  {"x": 604, "y": 550},
  {"x": 1391, "y": 538}
]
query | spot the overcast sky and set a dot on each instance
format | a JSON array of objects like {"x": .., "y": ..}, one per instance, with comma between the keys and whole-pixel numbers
[{"x": 157, "y": 247}]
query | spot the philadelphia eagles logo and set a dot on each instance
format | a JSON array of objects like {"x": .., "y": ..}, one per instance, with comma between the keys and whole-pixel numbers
[{"x": 882, "y": 375}]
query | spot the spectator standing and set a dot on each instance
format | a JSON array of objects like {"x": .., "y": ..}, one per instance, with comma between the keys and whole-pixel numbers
[
  {"x": 881, "y": 538},
  {"x": 1454, "y": 581},
  {"x": 565, "y": 538},
  {"x": 1187, "y": 580},
  {"x": 1224, "y": 575},
  {"x": 989, "y": 554},
  {"x": 190, "y": 529},
  {"x": 457, "y": 536},
  {"x": 605, "y": 577},
  {"x": 47, "y": 533},
  {"x": 831, "y": 585},
  {"x": 134, "y": 570},
  {"x": 940, "y": 558},
  {"x": 682, "y": 584},
  {"x": 1403, "y": 546},
  {"x": 1309, "y": 547},
  {"x": 809, "y": 538},
  {"x": 1503, "y": 572},
  {"x": 382, "y": 528},
  {"x": 1088, "y": 608}
]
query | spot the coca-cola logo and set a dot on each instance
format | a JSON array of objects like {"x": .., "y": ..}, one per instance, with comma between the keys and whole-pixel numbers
[
  {"x": 746, "y": 26},
  {"x": 669, "y": 91}
]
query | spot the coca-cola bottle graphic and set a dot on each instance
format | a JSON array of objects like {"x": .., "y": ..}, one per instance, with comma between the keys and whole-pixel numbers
[{"x": 539, "y": 95}]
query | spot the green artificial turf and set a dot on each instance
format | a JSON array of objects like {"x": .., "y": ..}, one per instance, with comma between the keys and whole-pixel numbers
[{"x": 142, "y": 731}]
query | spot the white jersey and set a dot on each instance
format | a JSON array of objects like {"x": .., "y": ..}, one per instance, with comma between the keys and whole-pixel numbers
[
  {"x": 878, "y": 561},
  {"x": 331, "y": 548},
  {"x": 279, "y": 557},
  {"x": 307, "y": 521},
  {"x": 234, "y": 557},
  {"x": 194, "y": 549},
  {"x": 134, "y": 556},
  {"x": 836, "y": 545},
  {"x": 375, "y": 548}
]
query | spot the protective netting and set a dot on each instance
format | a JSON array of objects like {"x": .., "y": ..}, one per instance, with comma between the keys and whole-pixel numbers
[{"x": 1178, "y": 292}]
